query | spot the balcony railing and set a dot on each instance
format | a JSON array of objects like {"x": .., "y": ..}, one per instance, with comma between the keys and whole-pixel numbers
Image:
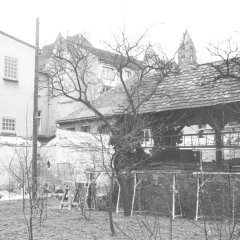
[{"x": 203, "y": 140}]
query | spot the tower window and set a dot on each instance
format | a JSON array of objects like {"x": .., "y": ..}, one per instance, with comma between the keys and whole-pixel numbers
[{"x": 183, "y": 58}]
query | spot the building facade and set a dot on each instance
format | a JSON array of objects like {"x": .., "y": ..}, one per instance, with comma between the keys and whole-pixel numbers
[
  {"x": 103, "y": 78},
  {"x": 83, "y": 120},
  {"x": 17, "y": 64}
]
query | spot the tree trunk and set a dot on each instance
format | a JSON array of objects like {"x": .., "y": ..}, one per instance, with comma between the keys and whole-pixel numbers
[
  {"x": 126, "y": 182},
  {"x": 110, "y": 206}
]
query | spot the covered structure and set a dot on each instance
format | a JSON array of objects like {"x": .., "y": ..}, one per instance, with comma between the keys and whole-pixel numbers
[
  {"x": 195, "y": 94},
  {"x": 191, "y": 97}
]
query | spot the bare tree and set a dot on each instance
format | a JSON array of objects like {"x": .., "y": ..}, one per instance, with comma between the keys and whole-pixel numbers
[
  {"x": 72, "y": 74},
  {"x": 220, "y": 214},
  {"x": 20, "y": 168}
]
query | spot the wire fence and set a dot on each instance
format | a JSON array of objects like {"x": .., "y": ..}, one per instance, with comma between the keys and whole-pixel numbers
[{"x": 154, "y": 193}]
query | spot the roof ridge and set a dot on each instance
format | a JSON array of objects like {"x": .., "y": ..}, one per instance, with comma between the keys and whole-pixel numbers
[{"x": 16, "y": 39}]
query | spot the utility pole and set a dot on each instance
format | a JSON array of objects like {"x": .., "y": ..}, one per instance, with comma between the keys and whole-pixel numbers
[{"x": 35, "y": 117}]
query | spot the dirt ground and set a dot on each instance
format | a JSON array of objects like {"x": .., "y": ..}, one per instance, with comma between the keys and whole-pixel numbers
[{"x": 71, "y": 225}]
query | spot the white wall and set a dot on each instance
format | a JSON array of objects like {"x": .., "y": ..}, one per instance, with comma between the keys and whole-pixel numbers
[
  {"x": 46, "y": 106},
  {"x": 194, "y": 129},
  {"x": 116, "y": 81},
  {"x": 77, "y": 125},
  {"x": 16, "y": 98}
]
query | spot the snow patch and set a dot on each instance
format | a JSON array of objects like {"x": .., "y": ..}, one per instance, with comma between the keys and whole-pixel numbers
[
  {"x": 65, "y": 138},
  {"x": 6, "y": 196},
  {"x": 72, "y": 154},
  {"x": 14, "y": 141}
]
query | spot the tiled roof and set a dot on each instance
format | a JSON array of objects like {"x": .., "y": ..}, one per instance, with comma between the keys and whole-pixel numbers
[
  {"x": 193, "y": 87},
  {"x": 110, "y": 103}
]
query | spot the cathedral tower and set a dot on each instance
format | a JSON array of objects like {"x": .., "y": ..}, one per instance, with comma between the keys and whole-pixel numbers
[{"x": 187, "y": 51}]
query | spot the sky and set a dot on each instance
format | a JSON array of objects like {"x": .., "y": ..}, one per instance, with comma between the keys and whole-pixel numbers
[{"x": 207, "y": 21}]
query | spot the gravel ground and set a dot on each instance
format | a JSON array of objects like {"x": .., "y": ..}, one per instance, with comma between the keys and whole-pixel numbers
[{"x": 71, "y": 225}]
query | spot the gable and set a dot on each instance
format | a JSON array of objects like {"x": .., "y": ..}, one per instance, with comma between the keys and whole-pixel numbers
[{"x": 16, "y": 39}]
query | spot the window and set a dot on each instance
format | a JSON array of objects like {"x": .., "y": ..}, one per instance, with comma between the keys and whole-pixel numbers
[
  {"x": 39, "y": 120},
  {"x": 183, "y": 58},
  {"x": 146, "y": 134},
  {"x": 8, "y": 124},
  {"x": 147, "y": 137},
  {"x": 85, "y": 128},
  {"x": 10, "y": 68},
  {"x": 105, "y": 88},
  {"x": 71, "y": 129},
  {"x": 202, "y": 126},
  {"x": 108, "y": 73},
  {"x": 127, "y": 74}
]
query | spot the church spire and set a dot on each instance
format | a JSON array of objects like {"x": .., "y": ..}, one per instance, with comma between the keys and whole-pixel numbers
[
  {"x": 149, "y": 52},
  {"x": 187, "y": 51}
]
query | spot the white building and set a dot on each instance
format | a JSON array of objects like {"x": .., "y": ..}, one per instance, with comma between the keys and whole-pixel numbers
[
  {"x": 17, "y": 63},
  {"x": 103, "y": 78}
]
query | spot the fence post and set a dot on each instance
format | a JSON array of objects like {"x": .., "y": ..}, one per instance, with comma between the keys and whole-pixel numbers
[
  {"x": 173, "y": 196},
  {"x": 197, "y": 205},
  {"x": 134, "y": 191}
]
